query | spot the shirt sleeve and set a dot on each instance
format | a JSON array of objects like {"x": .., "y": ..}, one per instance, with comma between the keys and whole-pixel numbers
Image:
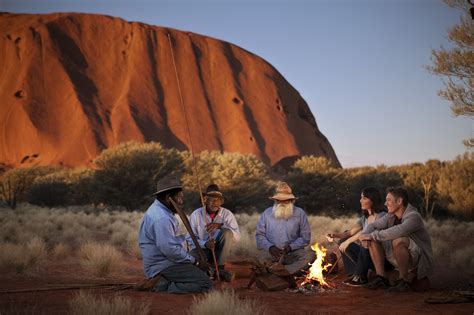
[
  {"x": 260, "y": 234},
  {"x": 305, "y": 234},
  {"x": 231, "y": 223},
  {"x": 194, "y": 222},
  {"x": 169, "y": 244},
  {"x": 410, "y": 225}
]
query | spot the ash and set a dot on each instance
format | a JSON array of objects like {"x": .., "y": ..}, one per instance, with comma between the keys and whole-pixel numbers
[{"x": 312, "y": 288}]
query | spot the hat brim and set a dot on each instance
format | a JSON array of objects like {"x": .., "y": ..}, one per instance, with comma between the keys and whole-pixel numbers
[
  {"x": 166, "y": 189},
  {"x": 283, "y": 197},
  {"x": 214, "y": 194}
]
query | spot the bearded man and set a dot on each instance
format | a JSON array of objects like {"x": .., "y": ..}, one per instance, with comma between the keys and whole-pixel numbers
[
  {"x": 216, "y": 230},
  {"x": 284, "y": 230}
]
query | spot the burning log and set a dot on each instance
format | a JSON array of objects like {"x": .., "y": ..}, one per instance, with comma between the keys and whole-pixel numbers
[{"x": 314, "y": 281}]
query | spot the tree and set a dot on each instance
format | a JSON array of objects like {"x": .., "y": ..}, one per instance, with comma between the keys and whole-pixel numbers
[
  {"x": 243, "y": 179},
  {"x": 456, "y": 186},
  {"x": 457, "y": 64},
  {"x": 126, "y": 174},
  {"x": 62, "y": 188},
  {"x": 14, "y": 183}
]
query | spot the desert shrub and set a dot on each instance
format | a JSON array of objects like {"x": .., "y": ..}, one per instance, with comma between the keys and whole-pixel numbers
[
  {"x": 318, "y": 185},
  {"x": 22, "y": 257},
  {"x": 86, "y": 303},
  {"x": 463, "y": 258},
  {"x": 420, "y": 179},
  {"x": 224, "y": 302},
  {"x": 15, "y": 183},
  {"x": 243, "y": 179},
  {"x": 456, "y": 186},
  {"x": 126, "y": 174},
  {"x": 61, "y": 251},
  {"x": 61, "y": 188},
  {"x": 100, "y": 259}
]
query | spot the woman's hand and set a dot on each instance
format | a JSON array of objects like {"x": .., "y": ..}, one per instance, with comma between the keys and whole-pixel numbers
[{"x": 343, "y": 246}]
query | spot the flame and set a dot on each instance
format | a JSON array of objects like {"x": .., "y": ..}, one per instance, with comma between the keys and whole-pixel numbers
[{"x": 317, "y": 268}]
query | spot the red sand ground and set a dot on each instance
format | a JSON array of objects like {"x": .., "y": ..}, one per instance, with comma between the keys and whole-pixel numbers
[{"x": 344, "y": 300}]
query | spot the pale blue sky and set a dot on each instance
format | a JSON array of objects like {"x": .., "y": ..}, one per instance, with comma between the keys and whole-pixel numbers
[{"x": 358, "y": 64}]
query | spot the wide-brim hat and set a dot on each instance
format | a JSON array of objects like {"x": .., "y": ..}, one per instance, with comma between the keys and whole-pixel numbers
[
  {"x": 167, "y": 183},
  {"x": 283, "y": 192}
]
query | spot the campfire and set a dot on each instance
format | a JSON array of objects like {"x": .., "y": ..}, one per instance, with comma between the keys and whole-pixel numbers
[{"x": 314, "y": 280}]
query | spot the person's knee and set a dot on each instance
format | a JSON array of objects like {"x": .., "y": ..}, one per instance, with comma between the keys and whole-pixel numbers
[
  {"x": 227, "y": 234},
  {"x": 206, "y": 284},
  {"x": 401, "y": 243}
]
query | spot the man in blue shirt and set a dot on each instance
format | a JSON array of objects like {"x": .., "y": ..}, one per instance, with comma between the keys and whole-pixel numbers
[
  {"x": 216, "y": 229},
  {"x": 162, "y": 241},
  {"x": 284, "y": 230}
]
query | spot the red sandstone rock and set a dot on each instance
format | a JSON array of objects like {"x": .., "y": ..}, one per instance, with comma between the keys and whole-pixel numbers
[{"x": 74, "y": 84}]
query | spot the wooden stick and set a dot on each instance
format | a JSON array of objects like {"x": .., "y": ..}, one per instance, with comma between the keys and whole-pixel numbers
[{"x": 192, "y": 150}]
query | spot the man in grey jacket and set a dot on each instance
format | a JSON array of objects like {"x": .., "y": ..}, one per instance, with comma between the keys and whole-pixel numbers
[{"x": 401, "y": 238}]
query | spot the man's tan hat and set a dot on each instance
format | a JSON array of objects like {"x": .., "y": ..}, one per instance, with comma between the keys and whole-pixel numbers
[
  {"x": 283, "y": 192},
  {"x": 167, "y": 183}
]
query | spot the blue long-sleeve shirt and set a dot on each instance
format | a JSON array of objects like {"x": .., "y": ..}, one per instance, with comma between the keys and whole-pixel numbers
[
  {"x": 295, "y": 231},
  {"x": 198, "y": 224},
  {"x": 162, "y": 242}
]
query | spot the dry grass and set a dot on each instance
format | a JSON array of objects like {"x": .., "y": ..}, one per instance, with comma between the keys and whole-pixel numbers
[
  {"x": 21, "y": 258},
  {"x": 100, "y": 259},
  {"x": 67, "y": 228},
  {"x": 224, "y": 302},
  {"x": 61, "y": 251},
  {"x": 85, "y": 303}
]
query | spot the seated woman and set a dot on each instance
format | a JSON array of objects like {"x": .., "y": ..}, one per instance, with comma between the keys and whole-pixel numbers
[{"x": 356, "y": 258}]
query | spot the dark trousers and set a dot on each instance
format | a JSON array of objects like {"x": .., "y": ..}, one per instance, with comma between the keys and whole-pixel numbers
[
  {"x": 357, "y": 260},
  {"x": 183, "y": 278}
]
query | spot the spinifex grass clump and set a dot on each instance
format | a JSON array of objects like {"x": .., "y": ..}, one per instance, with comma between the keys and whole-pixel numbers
[
  {"x": 85, "y": 303},
  {"x": 100, "y": 259},
  {"x": 224, "y": 302}
]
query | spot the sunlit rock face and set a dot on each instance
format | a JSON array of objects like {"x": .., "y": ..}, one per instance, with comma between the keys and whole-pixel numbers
[{"x": 74, "y": 84}]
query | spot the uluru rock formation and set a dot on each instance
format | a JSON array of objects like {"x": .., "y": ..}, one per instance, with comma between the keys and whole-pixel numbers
[{"x": 74, "y": 84}]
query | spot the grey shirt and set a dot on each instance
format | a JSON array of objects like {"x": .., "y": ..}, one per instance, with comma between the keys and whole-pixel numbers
[{"x": 412, "y": 226}]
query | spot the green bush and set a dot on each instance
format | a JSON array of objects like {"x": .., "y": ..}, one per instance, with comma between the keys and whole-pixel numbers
[
  {"x": 126, "y": 174},
  {"x": 243, "y": 179},
  {"x": 456, "y": 186},
  {"x": 15, "y": 183},
  {"x": 62, "y": 188},
  {"x": 323, "y": 188}
]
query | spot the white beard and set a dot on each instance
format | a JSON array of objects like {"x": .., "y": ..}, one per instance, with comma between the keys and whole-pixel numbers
[{"x": 282, "y": 211}]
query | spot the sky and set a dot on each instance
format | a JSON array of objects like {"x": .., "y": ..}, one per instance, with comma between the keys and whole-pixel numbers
[{"x": 360, "y": 65}]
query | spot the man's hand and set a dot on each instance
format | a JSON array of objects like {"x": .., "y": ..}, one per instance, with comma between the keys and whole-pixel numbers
[
  {"x": 202, "y": 264},
  {"x": 275, "y": 252},
  {"x": 210, "y": 244},
  {"x": 287, "y": 249},
  {"x": 211, "y": 227},
  {"x": 343, "y": 246}
]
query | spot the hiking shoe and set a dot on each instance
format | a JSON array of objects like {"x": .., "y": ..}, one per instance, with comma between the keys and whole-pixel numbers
[
  {"x": 378, "y": 283},
  {"x": 227, "y": 276},
  {"x": 356, "y": 281},
  {"x": 400, "y": 286}
]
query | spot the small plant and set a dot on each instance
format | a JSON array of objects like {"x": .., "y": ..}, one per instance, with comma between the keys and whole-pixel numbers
[
  {"x": 85, "y": 303},
  {"x": 61, "y": 251},
  {"x": 224, "y": 302},
  {"x": 100, "y": 259},
  {"x": 21, "y": 258}
]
